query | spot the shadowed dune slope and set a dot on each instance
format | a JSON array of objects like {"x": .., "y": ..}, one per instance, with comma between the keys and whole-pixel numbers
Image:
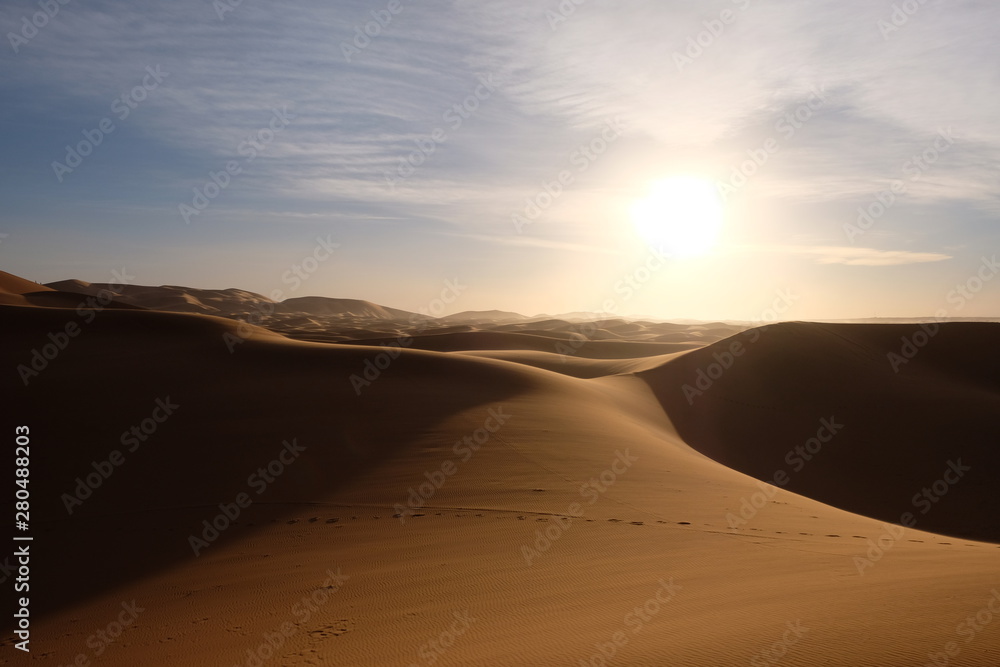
[
  {"x": 823, "y": 408},
  {"x": 236, "y": 408}
]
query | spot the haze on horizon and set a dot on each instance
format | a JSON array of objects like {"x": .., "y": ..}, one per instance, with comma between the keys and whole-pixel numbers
[{"x": 844, "y": 152}]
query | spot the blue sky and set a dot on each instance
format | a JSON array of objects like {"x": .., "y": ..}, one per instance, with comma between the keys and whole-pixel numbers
[{"x": 838, "y": 100}]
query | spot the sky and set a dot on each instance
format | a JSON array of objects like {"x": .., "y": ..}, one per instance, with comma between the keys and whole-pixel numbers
[{"x": 401, "y": 150}]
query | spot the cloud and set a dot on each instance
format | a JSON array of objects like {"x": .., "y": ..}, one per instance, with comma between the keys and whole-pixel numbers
[
  {"x": 355, "y": 121},
  {"x": 531, "y": 242},
  {"x": 851, "y": 256}
]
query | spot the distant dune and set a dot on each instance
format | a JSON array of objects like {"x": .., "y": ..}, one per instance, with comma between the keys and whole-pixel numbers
[
  {"x": 318, "y": 305},
  {"x": 484, "y": 317}
]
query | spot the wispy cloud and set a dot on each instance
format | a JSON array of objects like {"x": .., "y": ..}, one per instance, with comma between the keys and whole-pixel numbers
[
  {"x": 530, "y": 242},
  {"x": 850, "y": 256}
]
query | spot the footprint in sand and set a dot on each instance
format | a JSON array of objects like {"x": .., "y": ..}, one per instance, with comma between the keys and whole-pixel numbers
[
  {"x": 636, "y": 523},
  {"x": 683, "y": 523},
  {"x": 291, "y": 521},
  {"x": 335, "y": 630}
]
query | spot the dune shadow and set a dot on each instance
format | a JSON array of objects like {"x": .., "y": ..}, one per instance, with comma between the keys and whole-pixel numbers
[
  {"x": 896, "y": 422},
  {"x": 211, "y": 410}
]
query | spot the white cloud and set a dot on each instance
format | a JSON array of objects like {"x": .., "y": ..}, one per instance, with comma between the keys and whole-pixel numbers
[{"x": 850, "y": 256}]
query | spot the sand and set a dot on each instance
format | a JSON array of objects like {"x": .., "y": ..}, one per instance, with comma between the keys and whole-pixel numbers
[{"x": 498, "y": 492}]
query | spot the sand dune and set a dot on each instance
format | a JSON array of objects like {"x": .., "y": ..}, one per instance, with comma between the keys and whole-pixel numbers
[
  {"x": 895, "y": 433},
  {"x": 318, "y": 305},
  {"x": 174, "y": 298},
  {"x": 488, "y": 501},
  {"x": 565, "y": 345},
  {"x": 484, "y": 317},
  {"x": 11, "y": 284}
]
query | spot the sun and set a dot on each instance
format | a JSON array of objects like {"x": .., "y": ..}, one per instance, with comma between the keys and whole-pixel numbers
[{"x": 681, "y": 216}]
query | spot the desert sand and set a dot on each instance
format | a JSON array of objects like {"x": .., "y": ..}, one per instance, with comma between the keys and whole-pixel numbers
[{"x": 494, "y": 490}]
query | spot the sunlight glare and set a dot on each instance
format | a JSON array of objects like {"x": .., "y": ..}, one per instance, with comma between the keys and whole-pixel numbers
[{"x": 681, "y": 216}]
